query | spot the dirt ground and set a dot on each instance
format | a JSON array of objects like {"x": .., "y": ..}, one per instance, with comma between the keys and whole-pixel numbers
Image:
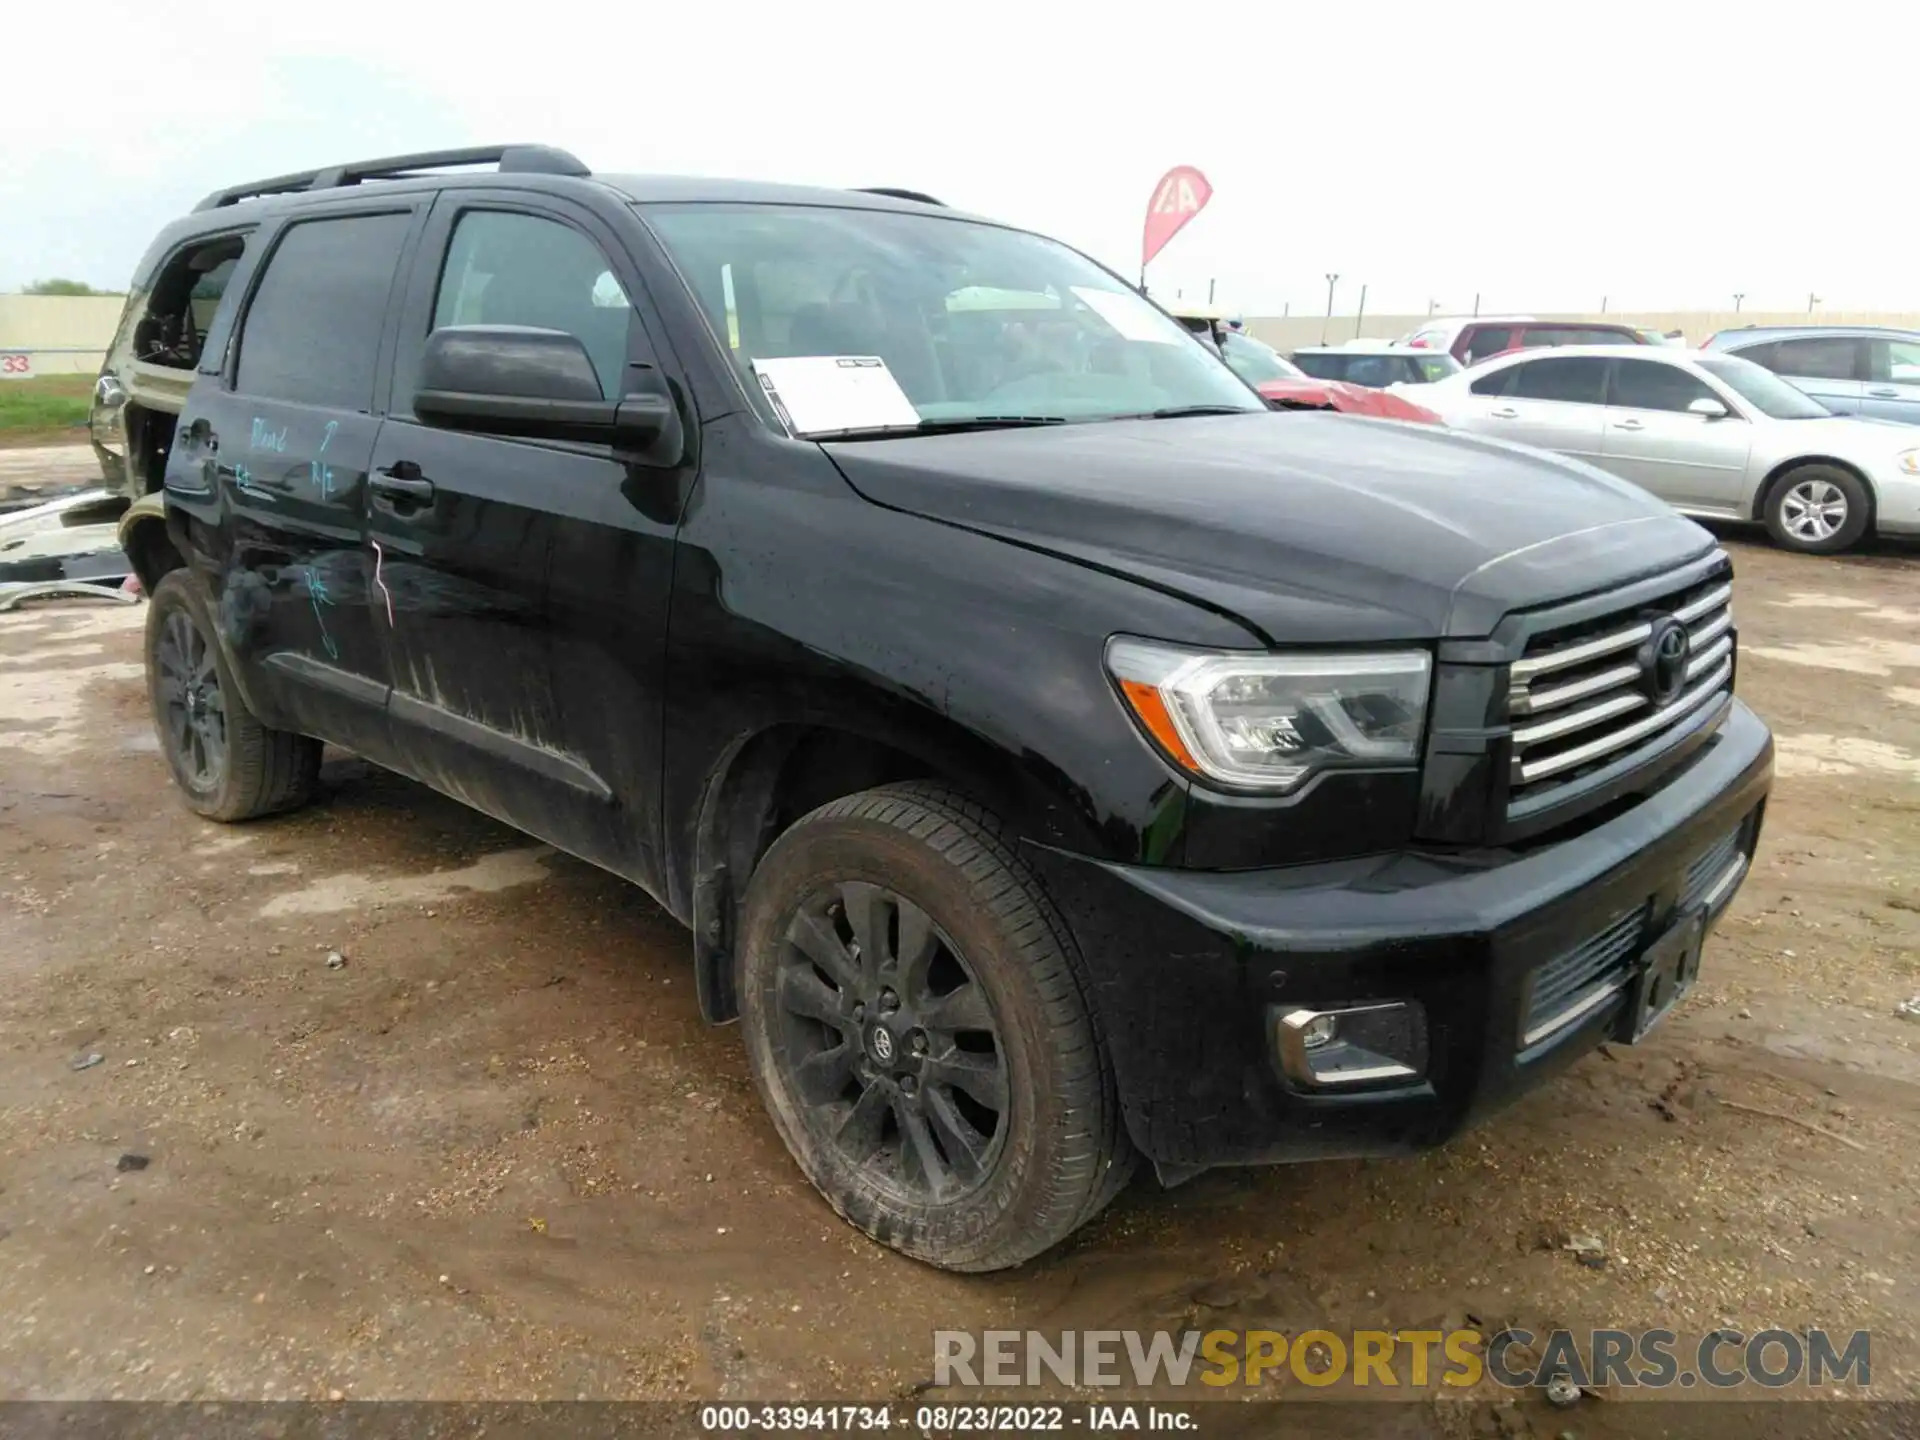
[
  {"x": 497, "y": 1155},
  {"x": 32, "y": 473}
]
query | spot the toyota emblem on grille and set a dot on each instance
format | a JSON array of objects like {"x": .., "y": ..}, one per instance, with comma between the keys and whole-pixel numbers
[{"x": 1663, "y": 660}]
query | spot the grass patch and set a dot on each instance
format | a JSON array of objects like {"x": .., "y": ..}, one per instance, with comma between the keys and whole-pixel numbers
[{"x": 45, "y": 405}]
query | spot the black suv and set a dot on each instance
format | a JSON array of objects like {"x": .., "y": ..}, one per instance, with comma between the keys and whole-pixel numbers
[{"x": 1057, "y": 755}]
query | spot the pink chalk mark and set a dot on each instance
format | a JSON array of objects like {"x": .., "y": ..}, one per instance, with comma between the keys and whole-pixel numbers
[{"x": 379, "y": 559}]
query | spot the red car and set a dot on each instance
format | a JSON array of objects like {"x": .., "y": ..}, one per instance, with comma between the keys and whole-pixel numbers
[
  {"x": 1471, "y": 341},
  {"x": 1285, "y": 385}
]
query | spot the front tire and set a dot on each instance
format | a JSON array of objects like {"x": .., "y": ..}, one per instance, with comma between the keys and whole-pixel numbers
[
  {"x": 227, "y": 764},
  {"x": 1818, "y": 510},
  {"x": 918, "y": 1032}
]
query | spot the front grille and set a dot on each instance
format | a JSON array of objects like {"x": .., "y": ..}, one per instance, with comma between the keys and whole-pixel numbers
[
  {"x": 1706, "y": 872},
  {"x": 1575, "y": 983},
  {"x": 1576, "y": 699}
]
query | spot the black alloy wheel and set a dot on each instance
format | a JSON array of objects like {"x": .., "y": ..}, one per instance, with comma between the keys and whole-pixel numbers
[
  {"x": 917, "y": 1026},
  {"x": 892, "y": 1042},
  {"x": 191, "y": 703}
]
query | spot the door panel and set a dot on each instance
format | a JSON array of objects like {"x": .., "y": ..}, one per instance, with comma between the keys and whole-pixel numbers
[
  {"x": 1552, "y": 402},
  {"x": 1652, "y": 439},
  {"x": 287, "y": 445},
  {"x": 1687, "y": 460},
  {"x": 528, "y": 591},
  {"x": 462, "y": 571}
]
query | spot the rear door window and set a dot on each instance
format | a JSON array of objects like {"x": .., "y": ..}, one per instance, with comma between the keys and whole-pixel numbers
[
  {"x": 1816, "y": 358},
  {"x": 1571, "y": 380},
  {"x": 312, "y": 333},
  {"x": 1543, "y": 335},
  {"x": 1485, "y": 340}
]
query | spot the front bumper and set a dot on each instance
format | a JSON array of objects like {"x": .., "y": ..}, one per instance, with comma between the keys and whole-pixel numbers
[
  {"x": 1896, "y": 508},
  {"x": 1188, "y": 968}
]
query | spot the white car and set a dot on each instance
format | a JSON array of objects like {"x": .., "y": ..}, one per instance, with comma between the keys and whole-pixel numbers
[{"x": 1711, "y": 434}]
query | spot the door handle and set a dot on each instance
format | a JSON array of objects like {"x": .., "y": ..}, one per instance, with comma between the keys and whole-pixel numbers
[
  {"x": 1886, "y": 392},
  {"x": 1505, "y": 413},
  {"x": 1628, "y": 425},
  {"x": 402, "y": 480}
]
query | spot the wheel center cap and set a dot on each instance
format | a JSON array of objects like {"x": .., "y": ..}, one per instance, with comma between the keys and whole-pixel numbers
[{"x": 881, "y": 1042}]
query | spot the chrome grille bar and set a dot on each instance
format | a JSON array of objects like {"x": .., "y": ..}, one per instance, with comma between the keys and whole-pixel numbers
[
  {"x": 1580, "y": 702},
  {"x": 1691, "y": 700}
]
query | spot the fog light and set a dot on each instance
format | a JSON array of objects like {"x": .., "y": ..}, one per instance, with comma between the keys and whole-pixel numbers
[
  {"x": 1355, "y": 1045},
  {"x": 1318, "y": 1031}
]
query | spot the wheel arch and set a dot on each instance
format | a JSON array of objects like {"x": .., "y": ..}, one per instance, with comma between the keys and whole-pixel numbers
[
  {"x": 143, "y": 537},
  {"x": 766, "y": 780},
  {"x": 1763, "y": 495}
]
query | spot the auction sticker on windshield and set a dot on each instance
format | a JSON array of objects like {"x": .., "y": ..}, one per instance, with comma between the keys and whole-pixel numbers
[
  {"x": 814, "y": 394},
  {"x": 1127, "y": 313}
]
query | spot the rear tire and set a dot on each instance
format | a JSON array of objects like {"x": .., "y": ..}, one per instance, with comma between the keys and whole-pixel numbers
[
  {"x": 227, "y": 764},
  {"x": 1818, "y": 510},
  {"x": 919, "y": 1034}
]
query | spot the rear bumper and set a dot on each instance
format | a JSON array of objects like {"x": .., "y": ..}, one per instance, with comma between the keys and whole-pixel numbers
[{"x": 1189, "y": 969}]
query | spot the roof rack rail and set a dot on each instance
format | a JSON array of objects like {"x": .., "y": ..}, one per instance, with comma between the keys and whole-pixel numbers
[
  {"x": 917, "y": 195},
  {"x": 511, "y": 160}
]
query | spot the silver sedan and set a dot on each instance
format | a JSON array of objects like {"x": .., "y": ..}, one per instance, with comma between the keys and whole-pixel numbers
[{"x": 1712, "y": 435}]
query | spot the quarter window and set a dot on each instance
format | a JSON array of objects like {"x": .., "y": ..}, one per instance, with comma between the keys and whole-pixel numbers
[{"x": 312, "y": 334}]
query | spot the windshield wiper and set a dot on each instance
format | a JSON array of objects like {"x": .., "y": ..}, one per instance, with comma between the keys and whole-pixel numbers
[
  {"x": 1181, "y": 412},
  {"x": 957, "y": 425}
]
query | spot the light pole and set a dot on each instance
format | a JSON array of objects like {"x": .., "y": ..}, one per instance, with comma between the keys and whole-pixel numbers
[
  {"x": 1738, "y": 296},
  {"x": 1333, "y": 278},
  {"x": 1360, "y": 318},
  {"x": 1812, "y": 300},
  {"x": 1432, "y": 305}
]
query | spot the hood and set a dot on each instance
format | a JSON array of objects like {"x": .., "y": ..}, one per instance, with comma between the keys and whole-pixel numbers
[
  {"x": 1348, "y": 399},
  {"x": 1310, "y": 527}
]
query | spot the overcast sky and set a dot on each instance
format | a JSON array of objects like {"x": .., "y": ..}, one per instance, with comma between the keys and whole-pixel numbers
[{"x": 1543, "y": 155}]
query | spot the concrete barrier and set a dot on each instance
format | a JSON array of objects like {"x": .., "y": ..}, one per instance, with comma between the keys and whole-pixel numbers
[
  {"x": 56, "y": 334},
  {"x": 1287, "y": 333}
]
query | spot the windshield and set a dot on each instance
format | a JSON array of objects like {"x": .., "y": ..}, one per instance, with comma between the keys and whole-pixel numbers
[
  {"x": 1254, "y": 362},
  {"x": 1763, "y": 389},
  {"x": 973, "y": 323},
  {"x": 1435, "y": 366}
]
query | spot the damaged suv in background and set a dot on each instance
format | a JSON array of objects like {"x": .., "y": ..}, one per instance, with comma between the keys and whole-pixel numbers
[
  {"x": 148, "y": 371},
  {"x": 1057, "y": 756}
]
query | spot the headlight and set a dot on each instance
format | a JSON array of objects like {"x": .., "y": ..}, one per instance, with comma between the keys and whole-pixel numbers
[
  {"x": 1270, "y": 722},
  {"x": 1908, "y": 461}
]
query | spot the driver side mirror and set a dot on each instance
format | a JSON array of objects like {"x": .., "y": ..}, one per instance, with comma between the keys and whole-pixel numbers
[
  {"x": 1707, "y": 408},
  {"x": 537, "y": 384}
]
